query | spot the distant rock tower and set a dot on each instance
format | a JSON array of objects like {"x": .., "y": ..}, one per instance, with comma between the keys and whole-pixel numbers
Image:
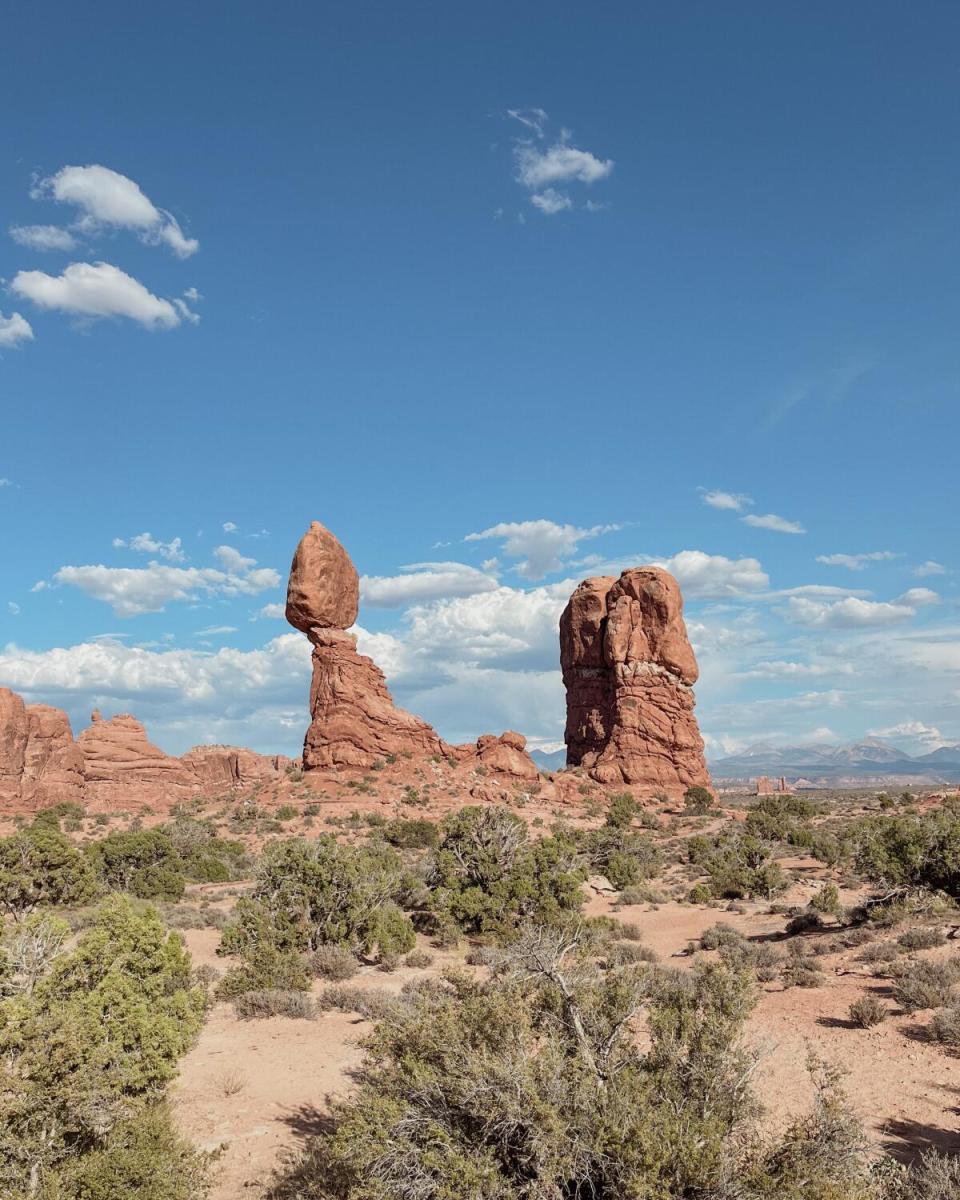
[{"x": 629, "y": 671}]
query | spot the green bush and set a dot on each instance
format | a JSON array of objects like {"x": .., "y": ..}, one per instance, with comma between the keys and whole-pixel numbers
[
  {"x": 39, "y": 867},
  {"x": 251, "y": 1006},
  {"x": 698, "y": 800},
  {"x": 918, "y": 985},
  {"x": 868, "y": 1011},
  {"x": 910, "y": 851},
  {"x": 739, "y": 865},
  {"x": 333, "y": 962},
  {"x": 415, "y": 834},
  {"x": 143, "y": 862},
  {"x": 265, "y": 967},
  {"x": 487, "y": 874}
]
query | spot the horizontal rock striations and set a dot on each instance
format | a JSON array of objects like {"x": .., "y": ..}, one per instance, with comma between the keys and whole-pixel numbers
[{"x": 629, "y": 669}]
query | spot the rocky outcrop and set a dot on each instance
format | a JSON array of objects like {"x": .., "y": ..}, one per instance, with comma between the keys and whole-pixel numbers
[
  {"x": 123, "y": 769},
  {"x": 218, "y": 767},
  {"x": 324, "y": 589},
  {"x": 629, "y": 671},
  {"x": 353, "y": 719},
  {"x": 39, "y": 760}
]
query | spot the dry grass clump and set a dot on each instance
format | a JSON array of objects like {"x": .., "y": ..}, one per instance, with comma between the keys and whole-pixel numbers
[
  {"x": 369, "y": 1003},
  {"x": 333, "y": 962},
  {"x": 867, "y": 1011},
  {"x": 945, "y": 1026},
  {"x": 920, "y": 985},
  {"x": 419, "y": 960},
  {"x": 925, "y": 937},
  {"x": 273, "y": 1002}
]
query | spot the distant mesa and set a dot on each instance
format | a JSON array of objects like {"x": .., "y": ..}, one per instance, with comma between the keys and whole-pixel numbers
[{"x": 629, "y": 671}]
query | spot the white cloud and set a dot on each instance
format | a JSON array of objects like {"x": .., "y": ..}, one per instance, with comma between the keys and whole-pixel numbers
[
  {"x": 855, "y": 562},
  {"x": 229, "y": 527},
  {"x": 146, "y": 543},
  {"x": 551, "y": 201},
  {"x": 233, "y": 560},
  {"x": 732, "y": 501},
  {"x": 273, "y": 611},
  {"x": 43, "y": 237},
  {"x": 542, "y": 545},
  {"x": 928, "y": 737},
  {"x": 131, "y": 591},
  {"x": 929, "y": 568},
  {"x": 773, "y": 522},
  {"x": 6, "y": 483},
  {"x": 213, "y": 630},
  {"x": 919, "y": 596},
  {"x": 14, "y": 330},
  {"x": 107, "y": 198},
  {"x": 96, "y": 290},
  {"x": 783, "y": 669},
  {"x": 559, "y": 163},
  {"x": 424, "y": 581},
  {"x": 850, "y": 613},
  {"x": 14, "y": 608},
  {"x": 713, "y": 575}
]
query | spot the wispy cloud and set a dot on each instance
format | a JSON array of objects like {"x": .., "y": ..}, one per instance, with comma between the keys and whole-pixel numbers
[
  {"x": 930, "y": 567},
  {"x": 146, "y": 543},
  {"x": 14, "y": 330},
  {"x": 856, "y": 562},
  {"x": 730, "y": 501},
  {"x": 544, "y": 169},
  {"x": 542, "y": 546},
  {"x": 772, "y": 522},
  {"x": 43, "y": 237}
]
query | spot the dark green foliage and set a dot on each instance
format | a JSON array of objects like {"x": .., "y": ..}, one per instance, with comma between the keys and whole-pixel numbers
[
  {"x": 697, "y": 800},
  {"x": 416, "y": 834},
  {"x": 739, "y": 865},
  {"x": 623, "y": 811},
  {"x": 487, "y": 873},
  {"x": 623, "y": 856},
  {"x": 910, "y": 851},
  {"x": 145, "y": 1157},
  {"x": 310, "y": 894},
  {"x": 205, "y": 857},
  {"x": 40, "y": 867},
  {"x": 265, "y": 967},
  {"x": 143, "y": 862}
]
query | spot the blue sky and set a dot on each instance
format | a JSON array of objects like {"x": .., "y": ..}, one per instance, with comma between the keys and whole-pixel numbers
[{"x": 623, "y": 283}]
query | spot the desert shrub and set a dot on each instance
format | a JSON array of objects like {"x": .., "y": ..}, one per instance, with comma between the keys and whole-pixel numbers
[
  {"x": 623, "y": 856},
  {"x": 39, "y": 867},
  {"x": 144, "y": 1157},
  {"x": 719, "y": 935},
  {"x": 191, "y": 916},
  {"x": 418, "y": 959},
  {"x": 333, "y": 962},
  {"x": 265, "y": 967},
  {"x": 205, "y": 856},
  {"x": 65, "y": 810},
  {"x": 827, "y": 900},
  {"x": 910, "y": 851},
  {"x": 945, "y": 1026},
  {"x": 700, "y": 893},
  {"x": 274, "y": 1002},
  {"x": 641, "y": 893},
  {"x": 621, "y": 953},
  {"x": 932, "y": 1176},
  {"x": 867, "y": 1011},
  {"x": 805, "y": 921},
  {"x": 697, "y": 800},
  {"x": 286, "y": 812},
  {"x": 98, "y": 1034},
  {"x": 739, "y": 865},
  {"x": 487, "y": 874},
  {"x": 309, "y": 894},
  {"x": 799, "y": 970},
  {"x": 922, "y": 938},
  {"x": 919, "y": 985},
  {"x": 369, "y": 1003},
  {"x": 414, "y": 834},
  {"x": 143, "y": 862}
]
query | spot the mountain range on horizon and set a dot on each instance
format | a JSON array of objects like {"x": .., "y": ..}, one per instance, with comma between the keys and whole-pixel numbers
[{"x": 870, "y": 758}]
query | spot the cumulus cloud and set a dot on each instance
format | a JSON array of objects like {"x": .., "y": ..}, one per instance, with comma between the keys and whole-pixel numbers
[
  {"x": 918, "y": 597},
  {"x": 542, "y": 546},
  {"x": 273, "y": 611},
  {"x": 559, "y": 163},
  {"x": 773, "y": 522},
  {"x": 14, "y": 330},
  {"x": 930, "y": 567},
  {"x": 856, "y": 562},
  {"x": 97, "y": 290},
  {"x": 43, "y": 237},
  {"x": 780, "y": 669},
  {"x": 146, "y": 543},
  {"x": 731, "y": 501},
  {"x": 105, "y": 198},
  {"x": 711, "y": 576},
  {"x": 229, "y": 527},
  {"x": 424, "y": 581},
  {"x": 928, "y": 737},
  {"x": 850, "y": 613},
  {"x": 131, "y": 591}
]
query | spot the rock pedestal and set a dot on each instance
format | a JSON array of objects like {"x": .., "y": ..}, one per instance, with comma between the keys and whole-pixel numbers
[{"x": 629, "y": 671}]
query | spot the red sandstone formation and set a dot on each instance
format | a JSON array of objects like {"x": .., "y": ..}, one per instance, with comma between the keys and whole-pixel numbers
[
  {"x": 111, "y": 765},
  {"x": 354, "y": 721},
  {"x": 629, "y": 669},
  {"x": 324, "y": 589}
]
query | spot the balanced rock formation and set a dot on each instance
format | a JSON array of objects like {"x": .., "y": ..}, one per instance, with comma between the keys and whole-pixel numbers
[
  {"x": 353, "y": 719},
  {"x": 629, "y": 671}
]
